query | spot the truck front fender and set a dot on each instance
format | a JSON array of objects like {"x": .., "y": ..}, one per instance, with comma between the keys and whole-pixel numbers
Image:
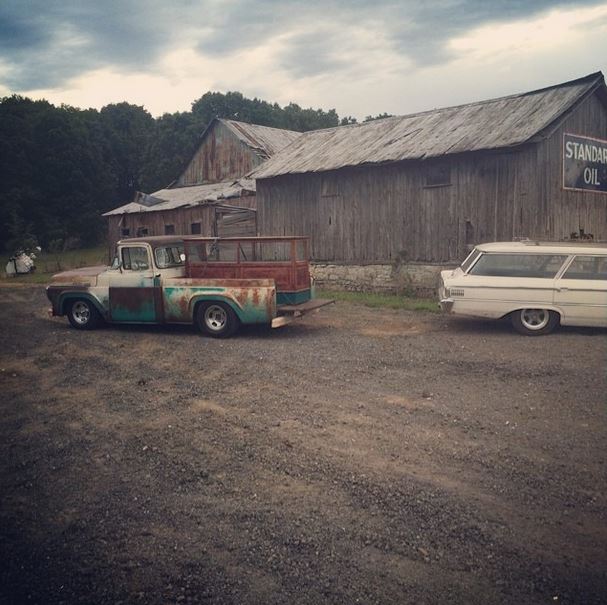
[{"x": 66, "y": 297}]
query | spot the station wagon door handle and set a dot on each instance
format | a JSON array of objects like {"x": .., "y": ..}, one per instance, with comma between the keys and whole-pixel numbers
[{"x": 563, "y": 289}]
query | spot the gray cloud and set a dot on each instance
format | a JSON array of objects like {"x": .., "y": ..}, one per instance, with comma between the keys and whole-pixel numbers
[
  {"x": 46, "y": 42},
  {"x": 312, "y": 54}
]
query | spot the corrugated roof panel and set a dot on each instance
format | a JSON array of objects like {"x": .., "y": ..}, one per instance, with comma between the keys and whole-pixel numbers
[{"x": 183, "y": 197}]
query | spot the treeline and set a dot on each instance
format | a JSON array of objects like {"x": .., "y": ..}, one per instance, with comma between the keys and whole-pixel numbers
[{"x": 61, "y": 167}]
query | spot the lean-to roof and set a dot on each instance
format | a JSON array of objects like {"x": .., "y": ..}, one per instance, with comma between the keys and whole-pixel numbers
[{"x": 183, "y": 197}]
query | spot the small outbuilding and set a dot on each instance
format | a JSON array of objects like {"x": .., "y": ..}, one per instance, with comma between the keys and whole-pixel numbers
[
  {"x": 389, "y": 202},
  {"x": 209, "y": 197}
]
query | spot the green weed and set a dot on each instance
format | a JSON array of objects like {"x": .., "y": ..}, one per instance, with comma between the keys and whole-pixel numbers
[{"x": 387, "y": 301}]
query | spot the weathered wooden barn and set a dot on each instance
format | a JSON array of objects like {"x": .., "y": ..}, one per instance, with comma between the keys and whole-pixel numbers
[
  {"x": 214, "y": 209},
  {"x": 209, "y": 197},
  {"x": 419, "y": 190}
]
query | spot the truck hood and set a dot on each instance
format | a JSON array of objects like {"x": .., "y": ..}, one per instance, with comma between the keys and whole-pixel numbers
[{"x": 86, "y": 276}]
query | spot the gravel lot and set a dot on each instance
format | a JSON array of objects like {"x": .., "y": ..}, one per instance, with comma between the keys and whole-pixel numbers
[{"x": 359, "y": 456}]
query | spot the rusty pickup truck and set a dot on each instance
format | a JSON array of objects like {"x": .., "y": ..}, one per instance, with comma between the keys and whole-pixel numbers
[{"x": 216, "y": 284}]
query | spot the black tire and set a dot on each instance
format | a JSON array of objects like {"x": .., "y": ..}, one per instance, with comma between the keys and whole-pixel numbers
[
  {"x": 216, "y": 319},
  {"x": 83, "y": 315},
  {"x": 534, "y": 322}
]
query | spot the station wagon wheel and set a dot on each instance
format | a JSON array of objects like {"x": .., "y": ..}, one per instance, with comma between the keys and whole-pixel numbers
[
  {"x": 216, "y": 319},
  {"x": 83, "y": 315},
  {"x": 534, "y": 322}
]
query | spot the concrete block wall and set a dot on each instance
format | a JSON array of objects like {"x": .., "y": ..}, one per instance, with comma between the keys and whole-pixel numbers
[{"x": 413, "y": 279}]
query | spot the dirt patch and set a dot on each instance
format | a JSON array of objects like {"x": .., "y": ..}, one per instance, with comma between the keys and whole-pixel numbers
[{"x": 359, "y": 455}]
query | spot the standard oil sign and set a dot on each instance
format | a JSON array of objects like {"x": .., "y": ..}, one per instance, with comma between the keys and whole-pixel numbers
[{"x": 584, "y": 163}]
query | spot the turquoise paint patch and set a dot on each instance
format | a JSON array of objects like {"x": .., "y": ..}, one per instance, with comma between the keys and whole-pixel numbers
[
  {"x": 253, "y": 314},
  {"x": 293, "y": 298},
  {"x": 145, "y": 313}
]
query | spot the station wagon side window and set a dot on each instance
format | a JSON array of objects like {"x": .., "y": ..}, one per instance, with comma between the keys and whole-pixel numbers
[
  {"x": 135, "y": 259},
  {"x": 587, "y": 267},
  {"x": 519, "y": 265}
]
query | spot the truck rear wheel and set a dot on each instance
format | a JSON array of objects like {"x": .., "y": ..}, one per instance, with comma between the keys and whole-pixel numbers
[{"x": 216, "y": 319}]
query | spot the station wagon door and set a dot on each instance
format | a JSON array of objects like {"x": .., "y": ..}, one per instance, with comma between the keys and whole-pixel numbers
[
  {"x": 581, "y": 292},
  {"x": 133, "y": 291}
]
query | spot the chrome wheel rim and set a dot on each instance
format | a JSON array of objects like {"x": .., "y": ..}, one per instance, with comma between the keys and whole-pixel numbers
[
  {"x": 215, "y": 318},
  {"x": 81, "y": 313},
  {"x": 535, "y": 319}
]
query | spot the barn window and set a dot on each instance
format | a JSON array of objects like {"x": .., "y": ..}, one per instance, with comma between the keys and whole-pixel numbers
[
  {"x": 195, "y": 229},
  {"x": 142, "y": 231},
  {"x": 438, "y": 175},
  {"x": 169, "y": 229},
  {"x": 125, "y": 232}
]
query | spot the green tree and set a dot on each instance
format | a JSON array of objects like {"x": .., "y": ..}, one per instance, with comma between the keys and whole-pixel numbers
[
  {"x": 379, "y": 116},
  {"x": 127, "y": 130}
]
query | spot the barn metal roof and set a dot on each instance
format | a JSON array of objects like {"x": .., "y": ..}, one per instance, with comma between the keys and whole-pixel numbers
[
  {"x": 184, "y": 197},
  {"x": 493, "y": 124},
  {"x": 264, "y": 140}
]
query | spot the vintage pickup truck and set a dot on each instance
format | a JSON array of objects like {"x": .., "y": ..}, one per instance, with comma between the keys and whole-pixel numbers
[{"x": 216, "y": 284}]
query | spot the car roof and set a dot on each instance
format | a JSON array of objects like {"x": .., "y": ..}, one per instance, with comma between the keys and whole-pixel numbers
[{"x": 528, "y": 246}]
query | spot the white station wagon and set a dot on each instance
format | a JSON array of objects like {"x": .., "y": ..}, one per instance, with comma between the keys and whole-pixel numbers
[{"x": 538, "y": 285}]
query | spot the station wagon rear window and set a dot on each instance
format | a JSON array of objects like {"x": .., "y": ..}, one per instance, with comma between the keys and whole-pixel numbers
[
  {"x": 587, "y": 267},
  {"x": 518, "y": 265}
]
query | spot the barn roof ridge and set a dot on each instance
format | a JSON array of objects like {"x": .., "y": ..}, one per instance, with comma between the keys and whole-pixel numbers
[{"x": 501, "y": 122}]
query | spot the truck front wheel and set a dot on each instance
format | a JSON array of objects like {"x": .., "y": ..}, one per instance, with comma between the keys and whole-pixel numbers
[
  {"x": 216, "y": 319},
  {"x": 83, "y": 315}
]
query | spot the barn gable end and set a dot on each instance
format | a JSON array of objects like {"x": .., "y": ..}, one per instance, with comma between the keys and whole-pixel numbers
[
  {"x": 229, "y": 149},
  {"x": 209, "y": 197}
]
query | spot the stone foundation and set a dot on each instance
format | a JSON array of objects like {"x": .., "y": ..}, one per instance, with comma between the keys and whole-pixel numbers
[{"x": 414, "y": 279}]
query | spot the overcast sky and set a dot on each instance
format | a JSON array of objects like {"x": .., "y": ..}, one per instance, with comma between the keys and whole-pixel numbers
[{"x": 359, "y": 57}]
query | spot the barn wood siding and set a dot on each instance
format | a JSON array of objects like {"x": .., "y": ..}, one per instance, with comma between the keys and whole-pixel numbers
[
  {"x": 221, "y": 157},
  {"x": 387, "y": 214},
  {"x": 182, "y": 218}
]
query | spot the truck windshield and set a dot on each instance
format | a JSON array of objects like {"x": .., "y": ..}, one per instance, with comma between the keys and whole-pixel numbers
[{"x": 169, "y": 256}]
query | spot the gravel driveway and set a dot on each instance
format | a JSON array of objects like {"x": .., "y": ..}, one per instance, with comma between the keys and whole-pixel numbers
[{"x": 359, "y": 456}]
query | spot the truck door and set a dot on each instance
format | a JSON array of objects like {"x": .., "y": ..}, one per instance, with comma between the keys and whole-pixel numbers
[{"x": 131, "y": 290}]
